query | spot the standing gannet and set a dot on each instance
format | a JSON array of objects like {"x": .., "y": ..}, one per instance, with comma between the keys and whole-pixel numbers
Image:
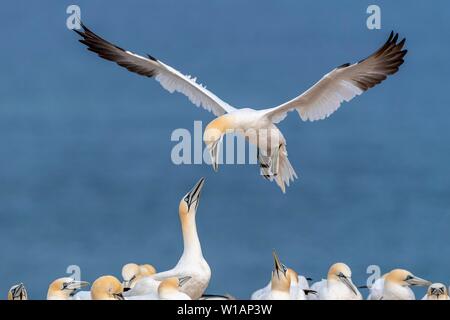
[
  {"x": 298, "y": 286},
  {"x": 395, "y": 286},
  {"x": 107, "y": 288},
  {"x": 280, "y": 284},
  {"x": 258, "y": 126},
  {"x": 18, "y": 292},
  {"x": 64, "y": 288},
  {"x": 169, "y": 289},
  {"x": 436, "y": 291},
  {"x": 337, "y": 286},
  {"x": 191, "y": 263}
]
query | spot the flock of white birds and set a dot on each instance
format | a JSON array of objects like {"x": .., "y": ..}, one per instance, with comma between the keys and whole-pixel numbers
[{"x": 190, "y": 277}]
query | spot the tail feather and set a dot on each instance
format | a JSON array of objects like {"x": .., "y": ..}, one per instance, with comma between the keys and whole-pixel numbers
[{"x": 277, "y": 167}]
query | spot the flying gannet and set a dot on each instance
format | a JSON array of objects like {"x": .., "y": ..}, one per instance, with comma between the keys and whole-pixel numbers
[
  {"x": 64, "y": 289},
  {"x": 259, "y": 126},
  {"x": 337, "y": 286},
  {"x": 395, "y": 285},
  {"x": 437, "y": 291},
  {"x": 191, "y": 263},
  {"x": 18, "y": 292}
]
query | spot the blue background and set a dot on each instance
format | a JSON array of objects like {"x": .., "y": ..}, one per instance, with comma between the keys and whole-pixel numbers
[{"x": 85, "y": 169}]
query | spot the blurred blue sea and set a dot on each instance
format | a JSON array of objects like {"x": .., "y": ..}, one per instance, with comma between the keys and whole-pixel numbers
[{"x": 85, "y": 170}]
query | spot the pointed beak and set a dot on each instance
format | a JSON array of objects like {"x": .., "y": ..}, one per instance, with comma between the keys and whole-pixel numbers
[
  {"x": 416, "y": 281},
  {"x": 278, "y": 266},
  {"x": 348, "y": 283},
  {"x": 183, "y": 280},
  {"x": 75, "y": 285},
  {"x": 194, "y": 195}
]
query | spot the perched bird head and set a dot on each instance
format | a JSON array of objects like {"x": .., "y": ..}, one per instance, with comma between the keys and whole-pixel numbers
[
  {"x": 18, "y": 292},
  {"x": 189, "y": 203},
  {"x": 213, "y": 136},
  {"x": 405, "y": 278},
  {"x": 107, "y": 288},
  {"x": 130, "y": 273},
  {"x": 63, "y": 288},
  {"x": 280, "y": 277},
  {"x": 172, "y": 284},
  {"x": 342, "y": 273},
  {"x": 147, "y": 270},
  {"x": 437, "y": 291}
]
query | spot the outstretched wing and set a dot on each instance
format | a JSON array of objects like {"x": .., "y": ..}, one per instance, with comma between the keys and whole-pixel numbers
[
  {"x": 171, "y": 79},
  {"x": 344, "y": 83}
]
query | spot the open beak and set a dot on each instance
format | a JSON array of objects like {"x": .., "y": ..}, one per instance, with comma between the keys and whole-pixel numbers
[
  {"x": 214, "y": 154},
  {"x": 193, "y": 197},
  {"x": 75, "y": 285},
  {"x": 183, "y": 280},
  {"x": 348, "y": 283},
  {"x": 416, "y": 281}
]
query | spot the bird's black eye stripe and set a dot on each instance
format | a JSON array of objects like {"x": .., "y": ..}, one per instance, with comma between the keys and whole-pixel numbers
[{"x": 409, "y": 277}]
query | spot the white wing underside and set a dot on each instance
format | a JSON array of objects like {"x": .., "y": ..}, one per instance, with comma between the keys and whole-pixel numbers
[
  {"x": 343, "y": 84},
  {"x": 169, "y": 78}
]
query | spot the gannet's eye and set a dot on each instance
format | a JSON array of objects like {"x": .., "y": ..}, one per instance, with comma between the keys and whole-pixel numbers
[
  {"x": 409, "y": 277},
  {"x": 186, "y": 199}
]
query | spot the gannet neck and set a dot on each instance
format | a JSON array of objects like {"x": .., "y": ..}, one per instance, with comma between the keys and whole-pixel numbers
[
  {"x": 191, "y": 242},
  {"x": 187, "y": 211}
]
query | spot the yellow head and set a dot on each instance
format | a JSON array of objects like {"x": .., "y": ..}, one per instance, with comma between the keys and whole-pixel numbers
[
  {"x": 189, "y": 203},
  {"x": 130, "y": 273},
  {"x": 213, "y": 135},
  {"x": 107, "y": 288},
  {"x": 64, "y": 288},
  {"x": 405, "y": 278},
  {"x": 18, "y": 292},
  {"x": 341, "y": 272},
  {"x": 172, "y": 284},
  {"x": 147, "y": 270}
]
